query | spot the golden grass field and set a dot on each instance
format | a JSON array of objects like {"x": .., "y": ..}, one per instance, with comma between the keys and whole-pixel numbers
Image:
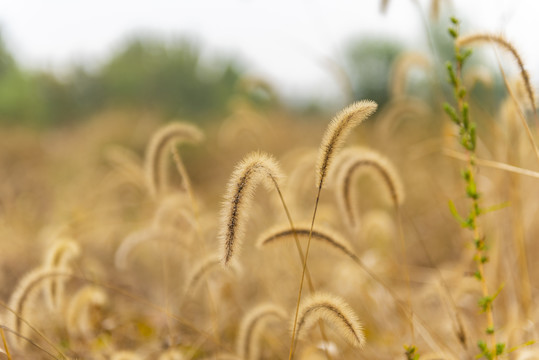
[{"x": 113, "y": 248}]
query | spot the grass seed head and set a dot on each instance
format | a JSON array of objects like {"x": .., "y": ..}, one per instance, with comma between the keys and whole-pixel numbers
[
  {"x": 254, "y": 168},
  {"x": 335, "y": 312},
  {"x": 251, "y": 329},
  {"x": 336, "y": 133},
  {"x": 156, "y": 153}
]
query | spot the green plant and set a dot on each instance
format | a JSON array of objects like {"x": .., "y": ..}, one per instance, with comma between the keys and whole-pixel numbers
[{"x": 468, "y": 140}]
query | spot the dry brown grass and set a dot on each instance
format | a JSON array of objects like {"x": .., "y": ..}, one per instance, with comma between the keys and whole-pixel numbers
[{"x": 142, "y": 278}]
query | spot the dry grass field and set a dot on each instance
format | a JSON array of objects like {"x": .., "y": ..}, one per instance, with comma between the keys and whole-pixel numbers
[{"x": 123, "y": 237}]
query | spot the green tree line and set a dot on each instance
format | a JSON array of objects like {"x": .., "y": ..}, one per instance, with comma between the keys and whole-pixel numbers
[{"x": 174, "y": 79}]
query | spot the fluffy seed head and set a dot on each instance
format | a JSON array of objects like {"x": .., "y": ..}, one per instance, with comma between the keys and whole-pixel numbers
[
  {"x": 61, "y": 253},
  {"x": 336, "y": 132},
  {"x": 336, "y": 312},
  {"x": 251, "y": 329},
  {"x": 325, "y": 236},
  {"x": 254, "y": 168},
  {"x": 25, "y": 296},
  {"x": 58, "y": 257},
  {"x": 78, "y": 318},
  {"x": 354, "y": 161},
  {"x": 157, "y": 149},
  {"x": 507, "y": 46}
]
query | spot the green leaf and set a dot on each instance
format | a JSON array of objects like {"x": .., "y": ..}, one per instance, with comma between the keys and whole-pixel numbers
[
  {"x": 477, "y": 275},
  {"x": 473, "y": 136},
  {"x": 496, "y": 207},
  {"x": 466, "y": 54},
  {"x": 450, "y": 110},
  {"x": 465, "y": 115},
  {"x": 485, "y": 302},
  {"x": 452, "y": 75},
  {"x": 456, "y": 214}
]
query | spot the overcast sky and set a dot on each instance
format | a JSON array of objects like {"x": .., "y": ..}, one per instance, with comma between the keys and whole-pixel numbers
[{"x": 280, "y": 40}]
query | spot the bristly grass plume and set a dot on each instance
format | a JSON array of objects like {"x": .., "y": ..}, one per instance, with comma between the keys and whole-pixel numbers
[
  {"x": 155, "y": 161},
  {"x": 336, "y": 133},
  {"x": 253, "y": 169},
  {"x": 335, "y": 312},
  {"x": 334, "y": 137}
]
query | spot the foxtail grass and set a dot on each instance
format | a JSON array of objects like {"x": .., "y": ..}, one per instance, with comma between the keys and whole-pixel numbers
[
  {"x": 156, "y": 152},
  {"x": 251, "y": 329},
  {"x": 25, "y": 296},
  {"x": 334, "y": 137},
  {"x": 78, "y": 316},
  {"x": 335, "y": 312},
  {"x": 253, "y": 169},
  {"x": 324, "y": 235},
  {"x": 336, "y": 133},
  {"x": 58, "y": 257},
  {"x": 352, "y": 162},
  {"x": 337, "y": 242},
  {"x": 519, "y": 112},
  {"x": 506, "y": 45}
]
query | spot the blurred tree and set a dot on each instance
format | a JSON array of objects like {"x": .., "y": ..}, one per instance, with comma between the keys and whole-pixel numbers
[
  {"x": 18, "y": 97},
  {"x": 7, "y": 63},
  {"x": 171, "y": 77}
]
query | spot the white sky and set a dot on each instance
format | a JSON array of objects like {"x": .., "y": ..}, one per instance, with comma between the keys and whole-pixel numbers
[{"x": 280, "y": 40}]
